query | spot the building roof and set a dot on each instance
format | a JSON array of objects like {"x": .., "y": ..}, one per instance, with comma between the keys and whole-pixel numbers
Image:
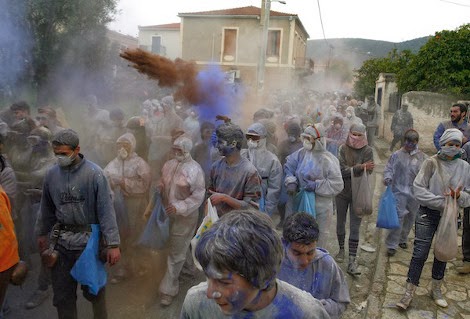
[
  {"x": 250, "y": 11},
  {"x": 242, "y": 11},
  {"x": 168, "y": 26},
  {"x": 113, "y": 33}
]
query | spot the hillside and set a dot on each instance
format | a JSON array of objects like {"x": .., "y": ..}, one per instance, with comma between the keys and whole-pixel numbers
[{"x": 357, "y": 50}]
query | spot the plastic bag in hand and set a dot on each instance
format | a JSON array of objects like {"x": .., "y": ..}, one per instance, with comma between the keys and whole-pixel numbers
[
  {"x": 445, "y": 242},
  {"x": 89, "y": 269},
  {"x": 157, "y": 231},
  {"x": 210, "y": 218},
  {"x": 388, "y": 216},
  {"x": 305, "y": 202},
  {"x": 361, "y": 194}
]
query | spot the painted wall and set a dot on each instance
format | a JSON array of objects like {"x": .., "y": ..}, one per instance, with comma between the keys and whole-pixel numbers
[{"x": 170, "y": 40}]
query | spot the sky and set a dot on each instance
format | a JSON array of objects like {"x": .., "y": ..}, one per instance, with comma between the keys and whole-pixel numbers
[{"x": 394, "y": 21}]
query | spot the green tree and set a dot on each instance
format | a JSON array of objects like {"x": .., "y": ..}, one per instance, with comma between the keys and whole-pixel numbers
[
  {"x": 70, "y": 37},
  {"x": 441, "y": 65},
  {"x": 368, "y": 73}
]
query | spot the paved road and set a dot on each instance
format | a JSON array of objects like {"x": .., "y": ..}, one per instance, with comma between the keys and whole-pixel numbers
[{"x": 373, "y": 293}]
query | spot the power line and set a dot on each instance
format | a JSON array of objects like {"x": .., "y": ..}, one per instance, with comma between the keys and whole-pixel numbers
[
  {"x": 456, "y": 3},
  {"x": 321, "y": 22}
]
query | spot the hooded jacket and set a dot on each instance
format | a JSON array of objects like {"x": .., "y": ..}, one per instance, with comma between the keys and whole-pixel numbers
[{"x": 133, "y": 170}]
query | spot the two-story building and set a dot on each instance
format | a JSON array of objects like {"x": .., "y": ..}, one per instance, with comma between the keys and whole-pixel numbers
[
  {"x": 163, "y": 39},
  {"x": 231, "y": 38}
]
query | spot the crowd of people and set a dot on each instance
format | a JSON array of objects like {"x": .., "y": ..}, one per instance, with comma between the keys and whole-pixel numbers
[{"x": 121, "y": 166}]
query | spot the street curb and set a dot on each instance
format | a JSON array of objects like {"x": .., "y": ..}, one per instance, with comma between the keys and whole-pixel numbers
[{"x": 377, "y": 285}]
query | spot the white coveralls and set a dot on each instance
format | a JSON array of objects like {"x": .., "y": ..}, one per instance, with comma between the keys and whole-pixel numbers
[{"x": 184, "y": 188}]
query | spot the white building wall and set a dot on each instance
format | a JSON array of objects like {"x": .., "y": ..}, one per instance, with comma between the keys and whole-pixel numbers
[{"x": 170, "y": 40}]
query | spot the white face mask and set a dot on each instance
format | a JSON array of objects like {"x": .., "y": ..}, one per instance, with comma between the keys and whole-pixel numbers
[
  {"x": 450, "y": 151},
  {"x": 252, "y": 144},
  {"x": 122, "y": 153},
  {"x": 64, "y": 160},
  {"x": 307, "y": 145},
  {"x": 181, "y": 158}
]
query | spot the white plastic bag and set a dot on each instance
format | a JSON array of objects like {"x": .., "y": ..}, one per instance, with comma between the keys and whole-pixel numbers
[
  {"x": 361, "y": 194},
  {"x": 210, "y": 218},
  {"x": 445, "y": 242}
]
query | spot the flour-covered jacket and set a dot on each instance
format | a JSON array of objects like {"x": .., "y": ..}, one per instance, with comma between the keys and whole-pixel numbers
[
  {"x": 270, "y": 170},
  {"x": 183, "y": 185},
  {"x": 134, "y": 170},
  {"x": 77, "y": 195},
  {"x": 434, "y": 179},
  {"x": 323, "y": 279},
  {"x": 402, "y": 168},
  {"x": 318, "y": 165}
]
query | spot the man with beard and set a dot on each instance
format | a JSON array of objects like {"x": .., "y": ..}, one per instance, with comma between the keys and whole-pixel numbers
[
  {"x": 458, "y": 120},
  {"x": 234, "y": 180}
]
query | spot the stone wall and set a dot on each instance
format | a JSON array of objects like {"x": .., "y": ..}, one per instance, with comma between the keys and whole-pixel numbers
[{"x": 428, "y": 110}]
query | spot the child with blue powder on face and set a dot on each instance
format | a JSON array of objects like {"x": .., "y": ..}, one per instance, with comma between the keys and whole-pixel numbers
[
  {"x": 234, "y": 181},
  {"x": 311, "y": 268},
  {"x": 240, "y": 255}
]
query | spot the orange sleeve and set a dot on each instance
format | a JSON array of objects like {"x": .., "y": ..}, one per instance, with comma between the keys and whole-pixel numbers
[{"x": 8, "y": 243}]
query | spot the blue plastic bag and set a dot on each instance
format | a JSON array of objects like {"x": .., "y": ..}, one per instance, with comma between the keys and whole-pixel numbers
[
  {"x": 262, "y": 203},
  {"x": 305, "y": 202},
  {"x": 89, "y": 269},
  {"x": 388, "y": 216},
  {"x": 157, "y": 231}
]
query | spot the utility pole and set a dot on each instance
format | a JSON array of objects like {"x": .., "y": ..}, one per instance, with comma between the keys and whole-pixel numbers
[{"x": 264, "y": 22}]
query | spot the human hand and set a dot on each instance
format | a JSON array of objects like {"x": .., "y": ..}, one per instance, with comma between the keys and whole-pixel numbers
[
  {"x": 454, "y": 193},
  {"x": 217, "y": 198},
  {"x": 310, "y": 186},
  {"x": 146, "y": 215},
  {"x": 42, "y": 243},
  {"x": 292, "y": 189},
  {"x": 122, "y": 184},
  {"x": 170, "y": 210},
  {"x": 368, "y": 165},
  {"x": 113, "y": 255}
]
